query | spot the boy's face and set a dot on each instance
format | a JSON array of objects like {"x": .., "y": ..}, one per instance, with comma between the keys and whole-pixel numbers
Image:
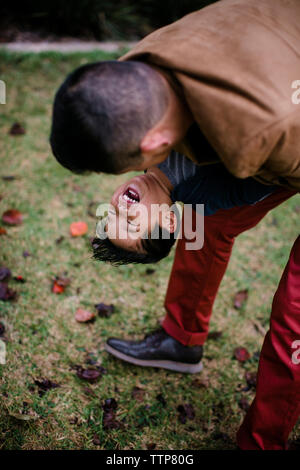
[{"x": 137, "y": 206}]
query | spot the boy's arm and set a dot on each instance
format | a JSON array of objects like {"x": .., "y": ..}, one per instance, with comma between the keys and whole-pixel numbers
[{"x": 216, "y": 188}]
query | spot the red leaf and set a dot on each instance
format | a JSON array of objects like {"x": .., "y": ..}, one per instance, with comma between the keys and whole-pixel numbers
[
  {"x": 3, "y": 231},
  {"x": 19, "y": 279},
  {"x": 12, "y": 217},
  {"x": 57, "y": 289},
  {"x": 17, "y": 129},
  {"x": 83, "y": 316},
  {"x": 77, "y": 229},
  {"x": 240, "y": 298},
  {"x": 241, "y": 354},
  {"x": 59, "y": 284}
]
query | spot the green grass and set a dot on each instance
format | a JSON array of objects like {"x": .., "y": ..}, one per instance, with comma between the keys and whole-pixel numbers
[{"x": 44, "y": 340}]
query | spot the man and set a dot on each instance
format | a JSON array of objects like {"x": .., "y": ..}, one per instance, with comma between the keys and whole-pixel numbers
[{"x": 221, "y": 76}]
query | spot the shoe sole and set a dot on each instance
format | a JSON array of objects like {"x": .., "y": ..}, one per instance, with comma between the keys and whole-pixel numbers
[{"x": 170, "y": 365}]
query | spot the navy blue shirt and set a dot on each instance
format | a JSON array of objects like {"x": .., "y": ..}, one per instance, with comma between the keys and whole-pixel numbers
[{"x": 211, "y": 185}]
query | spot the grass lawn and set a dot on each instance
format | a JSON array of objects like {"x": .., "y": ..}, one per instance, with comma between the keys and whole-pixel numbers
[{"x": 43, "y": 339}]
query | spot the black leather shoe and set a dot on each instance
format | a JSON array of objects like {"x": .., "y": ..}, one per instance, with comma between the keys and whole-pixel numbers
[{"x": 158, "y": 349}]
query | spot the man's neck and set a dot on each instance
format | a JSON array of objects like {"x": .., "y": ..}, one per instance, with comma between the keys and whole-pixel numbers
[{"x": 178, "y": 117}]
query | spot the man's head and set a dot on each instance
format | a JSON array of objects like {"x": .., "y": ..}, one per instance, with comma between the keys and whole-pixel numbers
[
  {"x": 114, "y": 117},
  {"x": 141, "y": 223}
]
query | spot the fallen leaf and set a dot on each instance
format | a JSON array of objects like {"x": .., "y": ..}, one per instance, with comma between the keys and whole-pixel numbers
[
  {"x": 109, "y": 414},
  {"x": 5, "y": 273},
  {"x": 19, "y": 279},
  {"x": 16, "y": 129},
  {"x": 77, "y": 229},
  {"x": 96, "y": 440},
  {"x": 3, "y": 231},
  {"x": 57, "y": 289},
  {"x": 151, "y": 446},
  {"x": 185, "y": 412},
  {"x": 197, "y": 383},
  {"x": 6, "y": 293},
  {"x": 240, "y": 298},
  {"x": 110, "y": 404},
  {"x": 104, "y": 310},
  {"x": 84, "y": 316},
  {"x": 138, "y": 393},
  {"x": 241, "y": 354},
  {"x": 12, "y": 217},
  {"x": 44, "y": 385},
  {"x": 244, "y": 404},
  {"x": 90, "y": 375},
  {"x": 161, "y": 399},
  {"x": 149, "y": 271},
  {"x": 59, "y": 284},
  {"x": 214, "y": 335},
  {"x": 89, "y": 391},
  {"x": 251, "y": 378},
  {"x": 8, "y": 177}
]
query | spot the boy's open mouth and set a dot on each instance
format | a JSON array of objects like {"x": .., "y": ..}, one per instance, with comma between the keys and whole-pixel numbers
[{"x": 131, "y": 196}]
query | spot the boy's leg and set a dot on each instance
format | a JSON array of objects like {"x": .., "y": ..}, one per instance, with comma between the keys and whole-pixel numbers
[
  {"x": 276, "y": 406},
  {"x": 196, "y": 275}
]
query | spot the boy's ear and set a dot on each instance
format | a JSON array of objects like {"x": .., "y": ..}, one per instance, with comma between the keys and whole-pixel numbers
[{"x": 169, "y": 221}]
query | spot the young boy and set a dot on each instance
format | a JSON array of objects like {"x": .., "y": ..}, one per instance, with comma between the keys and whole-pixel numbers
[{"x": 142, "y": 222}]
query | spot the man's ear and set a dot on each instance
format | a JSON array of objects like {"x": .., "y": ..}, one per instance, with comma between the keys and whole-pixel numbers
[
  {"x": 154, "y": 143},
  {"x": 169, "y": 221}
]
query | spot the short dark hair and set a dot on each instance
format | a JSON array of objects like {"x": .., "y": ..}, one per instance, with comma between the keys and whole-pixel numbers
[
  {"x": 101, "y": 113},
  {"x": 155, "y": 249}
]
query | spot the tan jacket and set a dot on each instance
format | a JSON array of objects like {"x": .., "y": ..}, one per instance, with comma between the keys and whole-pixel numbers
[{"x": 236, "y": 62}]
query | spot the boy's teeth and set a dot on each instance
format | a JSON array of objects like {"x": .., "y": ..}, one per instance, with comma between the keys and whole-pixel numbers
[{"x": 129, "y": 198}]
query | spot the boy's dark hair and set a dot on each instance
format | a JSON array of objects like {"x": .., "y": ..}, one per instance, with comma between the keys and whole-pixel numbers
[
  {"x": 156, "y": 249},
  {"x": 101, "y": 113}
]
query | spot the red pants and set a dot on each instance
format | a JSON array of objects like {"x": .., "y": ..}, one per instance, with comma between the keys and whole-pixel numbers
[{"x": 193, "y": 285}]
